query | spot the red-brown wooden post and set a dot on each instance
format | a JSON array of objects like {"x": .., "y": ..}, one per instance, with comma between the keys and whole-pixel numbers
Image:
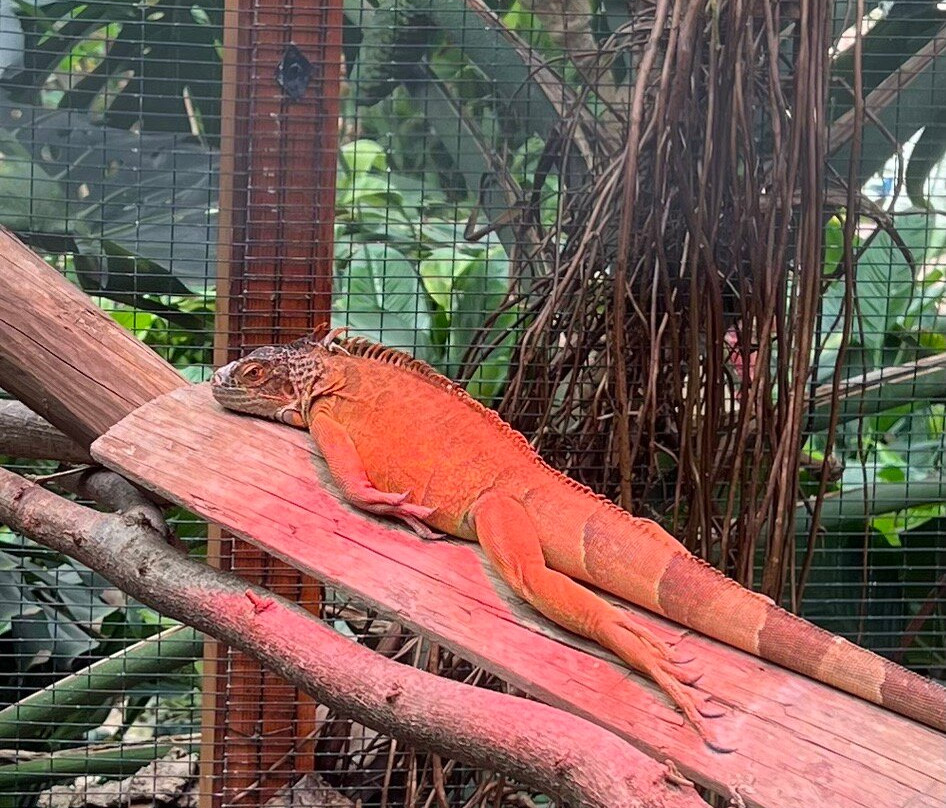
[{"x": 277, "y": 199}]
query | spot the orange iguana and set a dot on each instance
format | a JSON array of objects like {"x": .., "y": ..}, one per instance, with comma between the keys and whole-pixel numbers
[{"x": 401, "y": 440}]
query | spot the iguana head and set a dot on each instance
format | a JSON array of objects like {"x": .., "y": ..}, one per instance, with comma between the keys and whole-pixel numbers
[{"x": 277, "y": 381}]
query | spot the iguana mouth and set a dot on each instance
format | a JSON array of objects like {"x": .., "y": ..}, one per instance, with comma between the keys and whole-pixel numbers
[
  {"x": 220, "y": 377},
  {"x": 224, "y": 390}
]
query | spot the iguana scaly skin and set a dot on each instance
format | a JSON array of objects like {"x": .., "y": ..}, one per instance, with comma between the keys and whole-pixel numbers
[{"x": 401, "y": 440}]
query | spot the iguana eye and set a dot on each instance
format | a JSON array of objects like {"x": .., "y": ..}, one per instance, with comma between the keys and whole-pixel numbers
[{"x": 253, "y": 373}]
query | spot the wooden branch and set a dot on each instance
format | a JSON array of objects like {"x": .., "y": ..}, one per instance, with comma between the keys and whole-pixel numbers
[
  {"x": 62, "y": 356},
  {"x": 798, "y": 741},
  {"x": 23, "y": 434},
  {"x": 536, "y": 744},
  {"x": 118, "y": 495}
]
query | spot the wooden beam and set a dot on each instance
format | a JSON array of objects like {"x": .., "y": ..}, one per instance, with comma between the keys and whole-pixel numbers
[
  {"x": 59, "y": 351},
  {"x": 798, "y": 742}
]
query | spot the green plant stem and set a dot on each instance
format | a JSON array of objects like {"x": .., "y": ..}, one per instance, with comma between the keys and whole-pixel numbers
[
  {"x": 99, "y": 683},
  {"x": 106, "y": 761},
  {"x": 859, "y": 504}
]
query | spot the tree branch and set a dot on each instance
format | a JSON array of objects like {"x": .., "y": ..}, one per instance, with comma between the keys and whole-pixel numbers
[
  {"x": 117, "y": 494},
  {"x": 539, "y": 745},
  {"x": 23, "y": 434}
]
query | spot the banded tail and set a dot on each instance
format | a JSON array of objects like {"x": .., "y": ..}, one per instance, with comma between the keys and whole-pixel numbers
[{"x": 691, "y": 592}]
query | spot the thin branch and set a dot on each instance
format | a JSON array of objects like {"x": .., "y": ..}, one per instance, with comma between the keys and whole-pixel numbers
[{"x": 887, "y": 92}]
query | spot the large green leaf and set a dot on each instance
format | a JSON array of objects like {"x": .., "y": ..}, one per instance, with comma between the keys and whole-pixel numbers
[
  {"x": 509, "y": 65},
  {"x": 926, "y": 154},
  {"x": 381, "y": 297},
  {"x": 883, "y": 289},
  {"x": 477, "y": 292},
  {"x": 161, "y": 66},
  {"x": 106, "y": 761},
  {"x": 30, "y": 199},
  {"x": 469, "y": 284},
  {"x": 71, "y": 702},
  {"x": 884, "y": 285},
  {"x": 142, "y": 208}
]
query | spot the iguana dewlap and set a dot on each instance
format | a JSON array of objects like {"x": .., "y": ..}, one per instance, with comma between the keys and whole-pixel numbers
[{"x": 401, "y": 440}]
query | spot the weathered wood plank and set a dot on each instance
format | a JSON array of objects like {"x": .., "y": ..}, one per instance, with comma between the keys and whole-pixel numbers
[{"x": 799, "y": 742}]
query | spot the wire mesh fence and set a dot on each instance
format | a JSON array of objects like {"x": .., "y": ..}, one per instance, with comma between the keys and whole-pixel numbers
[{"x": 747, "y": 346}]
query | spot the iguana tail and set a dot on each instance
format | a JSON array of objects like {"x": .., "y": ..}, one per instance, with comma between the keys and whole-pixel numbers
[{"x": 649, "y": 567}]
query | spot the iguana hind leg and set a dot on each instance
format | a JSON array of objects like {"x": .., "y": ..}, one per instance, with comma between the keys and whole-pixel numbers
[
  {"x": 349, "y": 474},
  {"x": 508, "y": 537}
]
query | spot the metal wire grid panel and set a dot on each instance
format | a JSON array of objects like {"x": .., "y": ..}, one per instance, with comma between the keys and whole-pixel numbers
[
  {"x": 109, "y": 120},
  {"x": 460, "y": 183}
]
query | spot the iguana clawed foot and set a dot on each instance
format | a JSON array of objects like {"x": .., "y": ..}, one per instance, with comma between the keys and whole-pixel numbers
[
  {"x": 397, "y": 507},
  {"x": 633, "y": 641}
]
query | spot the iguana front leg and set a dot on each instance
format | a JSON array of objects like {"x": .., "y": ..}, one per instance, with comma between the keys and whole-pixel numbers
[
  {"x": 349, "y": 474},
  {"x": 508, "y": 537}
]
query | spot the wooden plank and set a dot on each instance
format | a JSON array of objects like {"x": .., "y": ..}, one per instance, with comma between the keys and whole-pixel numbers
[{"x": 798, "y": 742}]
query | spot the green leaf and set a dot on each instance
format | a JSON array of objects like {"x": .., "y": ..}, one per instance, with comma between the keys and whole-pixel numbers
[
  {"x": 370, "y": 190},
  {"x": 443, "y": 267},
  {"x": 891, "y": 466},
  {"x": 362, "y": 156},
  {"x": 927, "y": 152},
  {"x": 887, "y": 526},
  {"x": 44, "y": 636},
  {"x": 138, "y": 322},
  {"x": 10, "y": 600},
  {"x": 196, "y": 374},
  {"x": 30, "y": 199},
  {"x": 884, "y": 285},
  {"x": 477, "y": 292},
  {"x": 503, "y": 57},
  {"x": 487, "y": 380},
  {"x": 120, "y": 206},
  {"x": 381, "y": 297},
  {"x": 65, "y": 701},
  {"x": 106, "y": 762},
  {"x": 833, "y": 245},
  {"x": 924, "y": 234},
  {"x": 478, "y": 289}
]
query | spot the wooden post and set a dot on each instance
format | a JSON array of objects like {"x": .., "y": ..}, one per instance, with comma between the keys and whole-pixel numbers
[{"x": 277, "y": 200}]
